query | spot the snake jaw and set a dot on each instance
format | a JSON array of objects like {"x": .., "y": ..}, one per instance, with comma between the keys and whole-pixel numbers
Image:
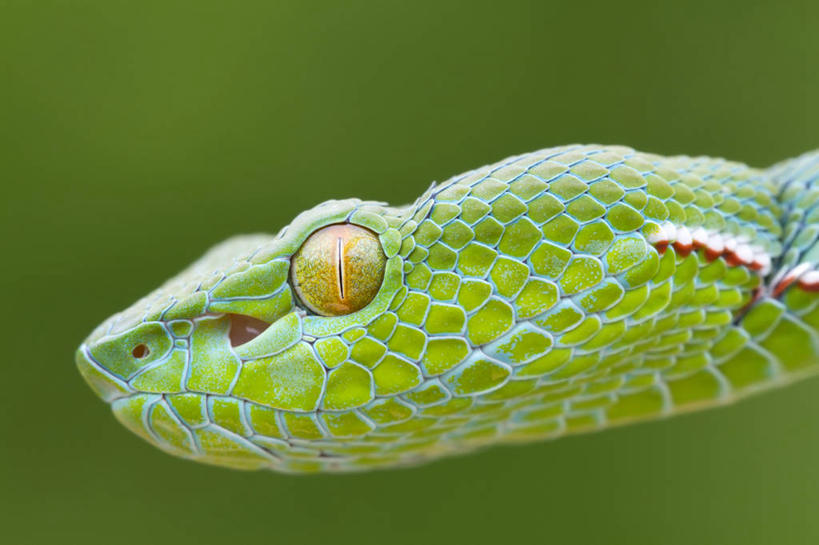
[{"x": 175, "y": 398}]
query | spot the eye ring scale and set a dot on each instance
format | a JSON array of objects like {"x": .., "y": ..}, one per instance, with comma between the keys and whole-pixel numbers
[{"x": 338, "y": 270}]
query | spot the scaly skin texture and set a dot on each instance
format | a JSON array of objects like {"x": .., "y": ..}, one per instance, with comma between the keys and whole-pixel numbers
[{"x": 561, "y": 291}]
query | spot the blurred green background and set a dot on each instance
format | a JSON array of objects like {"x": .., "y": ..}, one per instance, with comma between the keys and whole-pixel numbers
[{"x": 133, "y": 135}]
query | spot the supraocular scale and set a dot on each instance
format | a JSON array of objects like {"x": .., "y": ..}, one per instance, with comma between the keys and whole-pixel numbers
[{"x": 560, "y": 291}]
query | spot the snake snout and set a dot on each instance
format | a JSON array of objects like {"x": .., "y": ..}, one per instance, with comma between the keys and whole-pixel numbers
[{"x": 105, "y": 385}]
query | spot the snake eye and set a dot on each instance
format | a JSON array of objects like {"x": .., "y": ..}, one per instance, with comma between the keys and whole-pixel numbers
[{"x": 338, "y": 269}]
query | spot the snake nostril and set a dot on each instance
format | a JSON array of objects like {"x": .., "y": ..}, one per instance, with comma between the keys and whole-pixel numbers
[{"x": 140, "y": 351}]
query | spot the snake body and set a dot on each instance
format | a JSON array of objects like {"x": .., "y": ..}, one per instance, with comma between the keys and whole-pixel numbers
[{"x": 561, "y": 291}]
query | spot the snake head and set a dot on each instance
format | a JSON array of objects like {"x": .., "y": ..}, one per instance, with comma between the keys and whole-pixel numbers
[
  {"x": 555, "y": 292},
  {"x": 249, "y": 339}
]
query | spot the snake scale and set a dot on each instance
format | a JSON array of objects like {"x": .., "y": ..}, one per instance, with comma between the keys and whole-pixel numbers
[{"x": 561, "y": 291}]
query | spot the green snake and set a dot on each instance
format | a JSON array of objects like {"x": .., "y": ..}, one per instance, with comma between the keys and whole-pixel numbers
[{"x": 566, "y": 290}]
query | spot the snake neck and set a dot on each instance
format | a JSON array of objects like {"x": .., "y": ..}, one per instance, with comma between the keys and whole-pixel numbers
[
  {"x": 782, "y": 322},
  {"x": 726, "y": 304}
]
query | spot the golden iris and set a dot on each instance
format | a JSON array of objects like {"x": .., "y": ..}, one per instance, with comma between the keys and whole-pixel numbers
[{"x": 338, "y": 269}]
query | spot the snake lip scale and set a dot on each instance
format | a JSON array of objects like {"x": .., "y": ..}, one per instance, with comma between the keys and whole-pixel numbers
[{"x": 562, "y": 291}]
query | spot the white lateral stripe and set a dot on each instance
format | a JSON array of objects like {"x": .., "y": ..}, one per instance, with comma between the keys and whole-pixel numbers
[{"x": 737, "y": 249}]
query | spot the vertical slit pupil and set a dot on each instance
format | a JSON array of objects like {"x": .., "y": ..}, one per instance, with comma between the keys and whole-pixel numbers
[{"x": 340, "y": 267}]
